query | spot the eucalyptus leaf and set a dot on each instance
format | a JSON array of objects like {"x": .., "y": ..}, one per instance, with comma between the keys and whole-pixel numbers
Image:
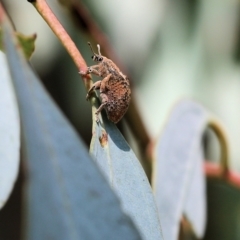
[
  {"x": 9, "y": 132},
  {"x": 27, "y": 43},
  {"x": 126, "y": 177},
  {"x": 179, "y": 182},
  {"x": 66, "y": 195}
]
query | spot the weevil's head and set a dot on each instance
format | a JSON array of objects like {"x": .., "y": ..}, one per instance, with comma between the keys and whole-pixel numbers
[{"x": 96, "y": 57}]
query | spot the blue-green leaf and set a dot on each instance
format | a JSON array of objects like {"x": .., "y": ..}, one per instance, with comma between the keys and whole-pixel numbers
[
  {"x": 179, "y": 182},
  {"x": 66, "y": 195},
  {"x": 126, "y": 177},
  {"x": 9, "y": 133}
]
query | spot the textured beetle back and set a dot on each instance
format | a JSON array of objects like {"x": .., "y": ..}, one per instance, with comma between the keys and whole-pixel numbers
[{"x": 119, "y": 96}]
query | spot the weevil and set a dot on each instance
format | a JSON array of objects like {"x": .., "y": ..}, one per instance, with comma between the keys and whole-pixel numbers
[{"x": 114, "y": 88}]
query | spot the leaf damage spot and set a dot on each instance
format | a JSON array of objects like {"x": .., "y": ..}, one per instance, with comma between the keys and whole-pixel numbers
[{"x": 103, "y": 139}]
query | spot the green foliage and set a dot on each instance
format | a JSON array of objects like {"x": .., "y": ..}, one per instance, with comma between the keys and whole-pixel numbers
[
  {"x": 27, "y": 43},
  {"x": 60, "y": 169},
  {"x": 223, "y": 199},
  {"x": 104, "y": 193},
  {"x": 67, "y": 197}
]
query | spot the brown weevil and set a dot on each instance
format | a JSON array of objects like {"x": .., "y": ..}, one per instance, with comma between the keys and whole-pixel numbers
[{"x": 114, "y": 88}]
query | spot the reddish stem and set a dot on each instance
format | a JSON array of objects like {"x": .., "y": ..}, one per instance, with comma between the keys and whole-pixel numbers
[
  {"x": 2, "y": 13},
  {"x": 47, "y": 14}
]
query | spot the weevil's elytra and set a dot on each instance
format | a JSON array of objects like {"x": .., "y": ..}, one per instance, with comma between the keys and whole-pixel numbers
[{"x": 114, "y": 88}]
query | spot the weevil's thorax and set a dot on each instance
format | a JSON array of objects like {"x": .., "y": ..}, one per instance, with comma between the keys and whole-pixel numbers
[
  {"x": 109, "y": 67},
  {"x": 102, "y": 64}
]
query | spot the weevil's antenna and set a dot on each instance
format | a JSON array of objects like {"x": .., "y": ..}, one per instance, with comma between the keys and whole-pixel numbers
[
  {"x": 98, "y": 47},
  {"x": 91, "y": 48}
]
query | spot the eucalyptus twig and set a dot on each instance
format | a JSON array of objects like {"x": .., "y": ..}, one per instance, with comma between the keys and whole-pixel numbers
[
  {"x": 47, "y": 14},
  {"x": 219, "y": 131},
  {"x": 2, "y": 13}
]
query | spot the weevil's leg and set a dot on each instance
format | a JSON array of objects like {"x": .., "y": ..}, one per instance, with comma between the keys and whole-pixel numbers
[
  {"x": 93, "y": 69},
  {"x": 99, "y": 110},
  {"x": 94, "y": 87},
  {"x": 104, "y": 97},
  {"x": 104, "y": 83},
  {"x": 94, "y": 66}
]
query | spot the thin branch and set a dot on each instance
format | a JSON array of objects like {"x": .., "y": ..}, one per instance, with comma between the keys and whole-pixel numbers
[
  {"x": 2, "y": 13},
  {"x": 219, "y": 131},
  {"x": 47, "y": 14}
]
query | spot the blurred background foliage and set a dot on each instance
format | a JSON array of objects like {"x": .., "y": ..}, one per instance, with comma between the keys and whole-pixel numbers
[{"x": 169, "y": 49}]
